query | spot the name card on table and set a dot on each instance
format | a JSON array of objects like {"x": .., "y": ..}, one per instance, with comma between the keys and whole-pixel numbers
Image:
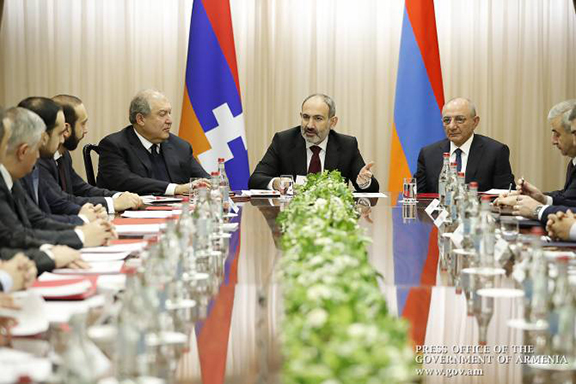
[
  {"x": 441, "y": 218},
  {"x": 432, "y": 206}
]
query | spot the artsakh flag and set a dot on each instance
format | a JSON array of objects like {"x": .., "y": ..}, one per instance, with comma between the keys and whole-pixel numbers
[
  {"x": 419, "y": 92},
  {"x": 212, "y": 119},
  {"x": 417, "y": 123}
]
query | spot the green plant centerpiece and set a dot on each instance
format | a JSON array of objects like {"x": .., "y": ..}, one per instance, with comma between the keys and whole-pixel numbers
[{"x": 336, "y": 327}]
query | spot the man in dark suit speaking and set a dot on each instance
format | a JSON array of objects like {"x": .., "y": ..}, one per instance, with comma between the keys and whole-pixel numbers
[
  {"x": 481, "y": 158},
  {"x": 312, "y": 147},
  {"x": 145, "y": 158}
]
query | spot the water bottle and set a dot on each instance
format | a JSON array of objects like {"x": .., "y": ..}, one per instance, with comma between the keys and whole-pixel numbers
[{"x": 443, "y": 179}]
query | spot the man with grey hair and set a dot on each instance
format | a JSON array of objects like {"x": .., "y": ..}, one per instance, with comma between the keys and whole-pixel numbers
[
  {"x": 145, "y": 158},
  {"x": 482, "y": 159},
  {"x": 312, "y": 147},
  {"x": 528, "y": 200},
  {"x": 17, "y": 210},
  {"x": 561, "y": 220}
]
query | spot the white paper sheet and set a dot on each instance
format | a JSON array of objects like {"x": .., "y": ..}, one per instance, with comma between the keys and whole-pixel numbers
[
  {"x": 496, "y": 192},
  {"x": 104, "y": 257},
  {"x": 369, "y": 195},
  {"x": 139, "y": 229},
  {"x": 230, "y": 227},
  {"x": 104, "y": 267},
  {"x": 61, "y": 311},
  {"x": 14, "y": 364},
  {"x": 151, "y": 214},
  {"x": 260, "y": 193},
  {"x": 130, "y": 247}
]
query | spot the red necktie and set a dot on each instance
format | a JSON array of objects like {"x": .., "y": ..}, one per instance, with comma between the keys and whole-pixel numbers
[{"x": 315, "y": 166}]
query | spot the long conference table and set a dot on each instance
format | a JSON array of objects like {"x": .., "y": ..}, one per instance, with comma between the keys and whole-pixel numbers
[{"x": 239, "y": 340}]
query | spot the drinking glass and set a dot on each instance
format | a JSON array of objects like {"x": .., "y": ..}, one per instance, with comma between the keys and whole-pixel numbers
[
  {"x": 285, "y": 184},
  {"x": 509, "y": 228},
  {"x": 409, "y": 189}
]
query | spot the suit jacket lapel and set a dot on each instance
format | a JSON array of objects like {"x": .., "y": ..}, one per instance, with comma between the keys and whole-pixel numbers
[
  {"x": 19, "y": 196},
  {"x": 8, "y": 194},
  {"x": 141, "y": 152},
  {"x": 172, "y": 164},
  {"x": 474, "y": 157},
  {"x": 332, "y": 150},
  {"x": 299, "y": 157},
  {"x": 570, "y": 178},
  {"x": 67, "y": 174}
]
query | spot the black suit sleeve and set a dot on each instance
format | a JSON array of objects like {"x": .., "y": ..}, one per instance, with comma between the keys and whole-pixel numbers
[
  {"x": 114, "y": 173},
  {"x": 267, "y": 168},
  {"x": 43, "y": 262},
  {"x": 503, "y": 176},
  {"x": 356, "y": 165},
  {"x": 53, "y": 188},
  {"x": 421, "y": 181},
  {"x": 81, "y": 187},
  {"x": 40, "y": 227}
]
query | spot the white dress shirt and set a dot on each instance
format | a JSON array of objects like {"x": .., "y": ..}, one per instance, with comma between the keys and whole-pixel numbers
[
  {"x": 148, "y": 145},
  {"x": 465, "y": 148}
]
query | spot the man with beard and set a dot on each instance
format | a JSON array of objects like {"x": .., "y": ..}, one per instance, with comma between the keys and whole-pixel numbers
[
  {"x": 20, "y": 215},
  {"x": 48, "y": 199},
  {"x": 58, "y": 171},
  {"x": 144, "y": 157},
  {"x": 312, "y": 147}
]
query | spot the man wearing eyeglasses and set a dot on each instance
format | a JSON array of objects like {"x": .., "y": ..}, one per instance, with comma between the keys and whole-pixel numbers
[{"x": 482, "y": 159}]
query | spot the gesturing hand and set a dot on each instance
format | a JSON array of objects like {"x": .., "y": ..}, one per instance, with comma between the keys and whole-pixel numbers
[{"x": 365, "y": 175}]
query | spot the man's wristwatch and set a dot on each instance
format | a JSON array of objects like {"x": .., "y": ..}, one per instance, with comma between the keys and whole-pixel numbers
[{"x": 537, "y": 211}]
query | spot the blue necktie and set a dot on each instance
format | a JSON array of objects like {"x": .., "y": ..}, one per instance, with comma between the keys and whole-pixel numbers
[{"x": 458, "y": 152}]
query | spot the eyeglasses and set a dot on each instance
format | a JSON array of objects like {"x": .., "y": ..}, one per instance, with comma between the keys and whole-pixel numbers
[{"x": 457, "y": 119}]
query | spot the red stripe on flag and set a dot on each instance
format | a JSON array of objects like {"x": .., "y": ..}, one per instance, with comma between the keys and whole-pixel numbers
[
  {"x": 423, "y": 20},
  {"x": 213, "y": 339},
  {"x": 417, "y": 305},
  {"x": 218, "y": 12}
]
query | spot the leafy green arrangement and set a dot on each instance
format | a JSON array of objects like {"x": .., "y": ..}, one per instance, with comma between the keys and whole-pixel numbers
[{"x": 336, "y": 327}]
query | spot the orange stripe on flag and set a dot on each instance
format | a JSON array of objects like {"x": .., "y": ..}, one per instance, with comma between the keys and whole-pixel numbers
[
  {"x": 190, "y": 128},
  {"x": 398, "y": 164}
]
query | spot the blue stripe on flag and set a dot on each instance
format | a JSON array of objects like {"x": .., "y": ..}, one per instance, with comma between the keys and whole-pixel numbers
[
  {"x": 410, "y": 249},
  {"x": 208, "y": 76},
  {"x": 416, "y": 127}
]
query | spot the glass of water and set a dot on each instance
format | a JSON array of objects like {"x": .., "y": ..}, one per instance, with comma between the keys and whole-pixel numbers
[
  {"x": 509, "y": 228},
  {"x": 409, "y": 189},
  {"x": 285, "y": 185}
]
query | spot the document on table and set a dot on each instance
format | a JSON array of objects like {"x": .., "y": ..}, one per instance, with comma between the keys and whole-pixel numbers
[
  {"x": 96, "y": 268},
  {"x": 62, "y": 311},
  {"x": 102, "y": 257},
  {"x": 139, "y": 229},
  {"x": 117, "y": 248},
  {"x": 260, "y": 193},
  {"x": 495, "y": 191},
  {"x": 369, "y": 195},
  {"x": 151, "y": 214}
]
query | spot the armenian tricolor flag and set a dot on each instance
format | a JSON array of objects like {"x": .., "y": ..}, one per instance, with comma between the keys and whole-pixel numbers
[
  {"x": 419, "y": 92},
  {"x": 212, "y": 119},
  {"x": 417, "y": 123}
]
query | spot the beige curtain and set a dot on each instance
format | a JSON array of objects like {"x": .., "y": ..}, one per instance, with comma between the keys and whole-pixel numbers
[{"x": 514, "y": 58}]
